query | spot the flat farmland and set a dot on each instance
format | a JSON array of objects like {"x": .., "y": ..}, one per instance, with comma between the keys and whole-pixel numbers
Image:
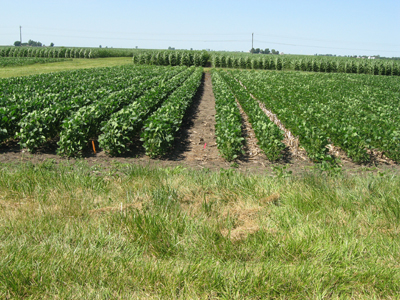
[
  {"x": 148, "y": 181},
  {"x": 294, "y": 120}
]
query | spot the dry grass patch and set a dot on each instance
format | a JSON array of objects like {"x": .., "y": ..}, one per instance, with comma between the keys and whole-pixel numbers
[
  {"x": 121, "y": 208},
  {"x": 245, "y": 222}
]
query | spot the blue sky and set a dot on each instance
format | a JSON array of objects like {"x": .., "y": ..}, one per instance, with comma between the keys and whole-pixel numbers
[{"x": 297, "y": 27}]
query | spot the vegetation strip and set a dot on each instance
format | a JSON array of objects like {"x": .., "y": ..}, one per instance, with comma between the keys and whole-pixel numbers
[
  {"x": 85, "y": 124},
  {"x": 125, "y": 124},
  {"x": 321, "y": 112},
  {"x": 172, "y": 58},
  {"x": 23, "y": 61},
  {"x": 40, "y": 125},
  {"x": 268, "y": 134},
  {"x": 22, "y": 96},
  {"x": 160, "y": 128},
  {"x": 306, "y": 63},
  {"x": 228, "y": 121},
  {"x": 38, "y": 51},
  {"x": 138, "y": 232},
  {"x": 291, "y": 141}
]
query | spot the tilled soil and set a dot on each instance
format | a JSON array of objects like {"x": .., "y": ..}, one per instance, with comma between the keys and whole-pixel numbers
[{"x": 195, "y": 147}]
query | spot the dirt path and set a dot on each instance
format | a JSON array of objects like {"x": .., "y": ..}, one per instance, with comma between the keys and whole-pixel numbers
[{"x": 196, "y": 142}]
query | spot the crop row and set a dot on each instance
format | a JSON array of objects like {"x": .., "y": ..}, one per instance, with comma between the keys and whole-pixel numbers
[
  {"x": 308, "y": 64},
  {"x": 17, "y": 89},
  {"x": 353, "y": 112},
  {"x": 111, "y": 104},
  {"x": 269, "y": 136},
  {"x": 86, "y": 123},
  {"x": 227, "y": 91},
  {"x": 228, "y": 120},
  {"x": 41, "y": 125},
  {"x": 66, "y": 92},
  {"x": 161, "y": 128},
  {"x": 63, "y": 52},
  {"x": 125, "y": 124},
  {"x": 172, "y": 58}
]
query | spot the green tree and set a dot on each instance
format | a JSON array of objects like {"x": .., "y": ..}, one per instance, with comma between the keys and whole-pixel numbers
[{"x": 17, "y": 43}]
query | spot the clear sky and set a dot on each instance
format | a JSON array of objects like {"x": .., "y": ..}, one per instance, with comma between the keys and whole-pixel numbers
[{"x": 352, "y": 27}]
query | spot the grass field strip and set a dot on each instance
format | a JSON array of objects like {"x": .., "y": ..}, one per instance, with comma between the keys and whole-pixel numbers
[{"x": 134, "y": 232}]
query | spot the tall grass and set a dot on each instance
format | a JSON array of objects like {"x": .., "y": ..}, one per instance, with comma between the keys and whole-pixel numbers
[{"x": 75, "y": 231}]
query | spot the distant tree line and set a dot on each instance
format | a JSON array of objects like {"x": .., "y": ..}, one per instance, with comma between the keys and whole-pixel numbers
[
  {"x": 31, "y": 43},
  {"x": 266, "y": 51}
]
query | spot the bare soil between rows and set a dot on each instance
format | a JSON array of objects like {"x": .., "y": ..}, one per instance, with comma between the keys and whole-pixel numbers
[{"x": 195, "y": 148}]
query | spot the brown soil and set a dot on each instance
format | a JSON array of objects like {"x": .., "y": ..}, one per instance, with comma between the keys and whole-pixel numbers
[{"x": 195, "y": 147}]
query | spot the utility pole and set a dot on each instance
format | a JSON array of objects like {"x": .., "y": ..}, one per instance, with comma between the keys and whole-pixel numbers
[
  {"x": 252, "y": 40},
  {"x": 20, "y": 34}
]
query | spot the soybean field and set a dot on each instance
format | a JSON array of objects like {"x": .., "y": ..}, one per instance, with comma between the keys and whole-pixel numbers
[{"x": 327, "y": 117}]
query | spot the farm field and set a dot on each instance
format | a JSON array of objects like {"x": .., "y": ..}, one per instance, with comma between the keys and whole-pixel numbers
[
  {"x": 67, "y": 64},
  {"x": 127, "y": 111},
  {"x": 148, "y": 181},
  {"x": 355, "y": 113}
]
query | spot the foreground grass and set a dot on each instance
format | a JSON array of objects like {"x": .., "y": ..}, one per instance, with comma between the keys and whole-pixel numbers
[
  {"x": 71, "y": 64},
  {"x": 68, "y": 231}
]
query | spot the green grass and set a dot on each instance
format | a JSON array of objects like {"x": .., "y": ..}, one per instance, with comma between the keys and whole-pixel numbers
[
  {"x": 71, "y": 64},
  {"x": 71, "y": 231}
]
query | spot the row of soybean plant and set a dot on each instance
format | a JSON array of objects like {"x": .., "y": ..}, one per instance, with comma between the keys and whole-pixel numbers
[
  {"x": 356, "y": 113},
  {"x": 88, "y": 122},
  {"x": 126, "y": 124},
  {"x": 307, "y": 64},
  {"x": 78, "y": 118},
  {"x": 20, "y": 96},
  {"x": 156, "y": 116},
  {"x": 229, "y": 94},
  {"x": 38, "y": 108}
]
